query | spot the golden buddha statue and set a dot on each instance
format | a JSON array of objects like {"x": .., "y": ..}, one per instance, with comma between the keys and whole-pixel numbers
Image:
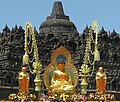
[
  {"x": 100, "y": 81},
  {"x": 61, "y": 79},
  {"x": 23, "y": 81},
  {"x": 61, "y": 75}
]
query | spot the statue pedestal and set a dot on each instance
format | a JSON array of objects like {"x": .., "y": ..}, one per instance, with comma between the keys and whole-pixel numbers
[
  {"x": 83, "y": 88},
  {"x": 84, "y": 85},
  {"x": 37, "y": 84}
]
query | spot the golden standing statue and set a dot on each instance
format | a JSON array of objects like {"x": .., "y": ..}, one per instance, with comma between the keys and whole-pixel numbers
[
  {"x": 100, "y": 81},
  {"x": 61, "y": 80},
  {"x": 23, "y": 81}
]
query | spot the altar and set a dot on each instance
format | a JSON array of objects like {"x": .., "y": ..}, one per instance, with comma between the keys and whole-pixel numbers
[{"x": 61, "y": 77}]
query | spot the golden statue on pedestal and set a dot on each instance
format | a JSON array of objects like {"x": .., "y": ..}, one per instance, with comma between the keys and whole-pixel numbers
[
  {"x": 61, "y": 75},
  {"x": 100, "y": 81},
  {"x": 61, "y": 79},
  {"x": 23, "y": 81}
]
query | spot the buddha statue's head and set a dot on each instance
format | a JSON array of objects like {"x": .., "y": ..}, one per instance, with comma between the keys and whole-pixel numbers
[
  {"x": 61, "y": 65},
  {"x": 23, "y": 69},
  {"x": 100, "y": 70}
]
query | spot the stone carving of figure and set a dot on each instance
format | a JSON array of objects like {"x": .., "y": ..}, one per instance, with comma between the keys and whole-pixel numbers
[
  {"x": 100, "y": 81},
  {"x": 61, "y": 80},
  {"x": 23, "y": 81}
]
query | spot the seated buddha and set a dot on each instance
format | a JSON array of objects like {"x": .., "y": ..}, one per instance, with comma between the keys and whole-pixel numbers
[{"x": 61, "y": 79}]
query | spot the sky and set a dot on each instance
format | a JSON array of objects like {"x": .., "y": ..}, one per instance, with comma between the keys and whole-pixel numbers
[{"x": 81, "y": 13}]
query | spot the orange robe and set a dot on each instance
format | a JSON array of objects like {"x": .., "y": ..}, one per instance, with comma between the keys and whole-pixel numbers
[
  {"x": 100, "y": 82},
  {"x": 23, "y": 82}
]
